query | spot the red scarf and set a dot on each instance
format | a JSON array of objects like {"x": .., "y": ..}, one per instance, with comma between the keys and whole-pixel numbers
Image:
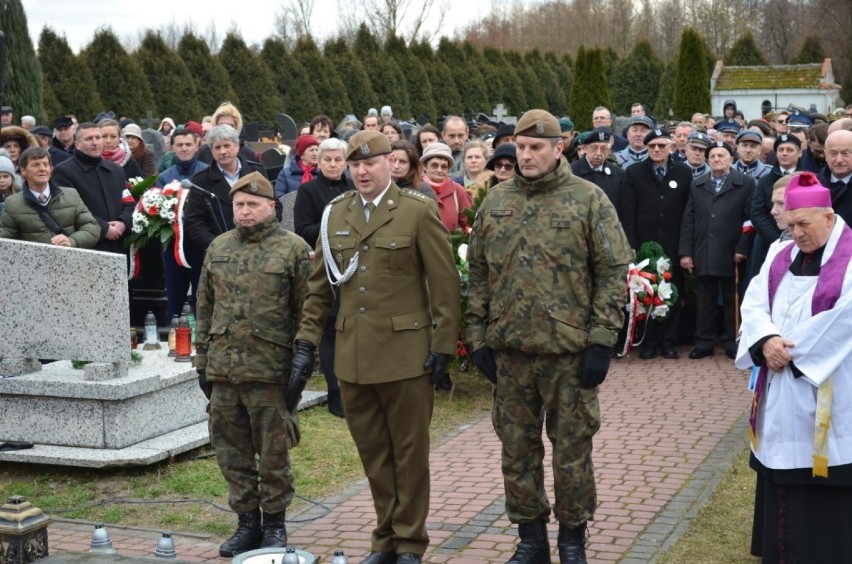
[
  {"x": 307, "y": 172},
  {"x": 118, "y": 156},
  {"x": 441, "y": 186}
]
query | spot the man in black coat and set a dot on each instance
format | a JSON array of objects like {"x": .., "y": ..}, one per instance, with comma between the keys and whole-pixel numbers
[
  {"x": 101, "y": 185},
  {"x": 660, "y": 188},
  {"x": 593, "y": 166},
  {"x": 716, "y": 235},
  {"x": 204, "y": 218},
  {"x": 838, "y": 174}
]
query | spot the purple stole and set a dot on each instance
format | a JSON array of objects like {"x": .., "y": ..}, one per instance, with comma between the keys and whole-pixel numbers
[{"x": 827, "y": 292}]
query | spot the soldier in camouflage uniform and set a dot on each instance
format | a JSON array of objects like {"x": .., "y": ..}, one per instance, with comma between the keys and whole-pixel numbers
[
  {"x": 548, "y": 263},
  {"x": 250, "y": 297}
]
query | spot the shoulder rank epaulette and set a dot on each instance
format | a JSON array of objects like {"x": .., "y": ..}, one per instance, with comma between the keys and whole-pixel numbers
[
  {"x": 344, "y": 196},
  {"x": 413, "y": 194}
]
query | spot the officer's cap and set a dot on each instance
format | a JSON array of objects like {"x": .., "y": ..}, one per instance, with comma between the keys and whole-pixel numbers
[
  {"x": 728, "y": 125},
  {"x": 255, "y": 184},
  {"x": 750, "y": 135},
  {"x": 366, "y": 144},
  {"x": 538, "y": 123},
  {"x": 644, "y": 121}
]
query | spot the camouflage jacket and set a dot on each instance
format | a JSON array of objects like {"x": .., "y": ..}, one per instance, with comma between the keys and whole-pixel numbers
[
  {"x": 548, "y": 264},
  {"x": 250, "y": 297}
]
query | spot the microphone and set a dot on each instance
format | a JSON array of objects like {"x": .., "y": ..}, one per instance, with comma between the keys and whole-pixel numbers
[{"x": 187, "y": 184}]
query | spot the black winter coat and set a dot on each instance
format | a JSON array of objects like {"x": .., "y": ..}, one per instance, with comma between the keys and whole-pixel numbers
[
  {"x": 841, "y": 196},
  {"x": 613, "y": 182},
  {"x": 659, "y": 205},
  {"x": 311, "y": 199},
  {"x": 101, "y": 185},
  {"x": 714, "y": 224}
]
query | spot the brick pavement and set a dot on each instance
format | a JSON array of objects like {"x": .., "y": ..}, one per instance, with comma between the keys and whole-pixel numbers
[{"x": 670, "y": 430}]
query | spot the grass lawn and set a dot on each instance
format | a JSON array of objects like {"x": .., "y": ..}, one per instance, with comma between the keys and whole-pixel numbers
[{"x": 324, "y": 463}]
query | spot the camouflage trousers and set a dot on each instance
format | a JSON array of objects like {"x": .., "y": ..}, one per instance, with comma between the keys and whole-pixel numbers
[
  {"x": 252, "y": 432},
  {"x": 535, "y": 390}
]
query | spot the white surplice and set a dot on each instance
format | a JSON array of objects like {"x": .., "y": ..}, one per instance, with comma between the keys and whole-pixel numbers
[{"x": 823, "y": 348}]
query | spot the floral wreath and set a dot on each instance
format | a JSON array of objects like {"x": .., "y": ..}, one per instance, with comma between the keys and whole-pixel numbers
[{"x": 652, "y": 294}]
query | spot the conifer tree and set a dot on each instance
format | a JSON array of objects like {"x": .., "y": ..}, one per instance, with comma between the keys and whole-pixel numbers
[
  {"x": 597, "y": 70},
  {"x": 257, "y": 97},
  {"x": 419, "y": 88},
  {"x": 366, "y": 47},
  {"x": 692, "y": 82},
  {"x": 299, "y": 99},
  {"x": 745, "y": 53},
  {"x": 467, "y": 78},
  {"x": 533, "y": 91},
  {"x": 357, "y": 80},
  {"x": 636, "y": 79},
  {"x": 331, "y": 91},
  {"x": 562, "y": 73},
  {"x": 172, "y": 87},
  {"x": 448, "y": 101},
  {"x": 212, "y": 83},
  {"x": 663, "y": 105},
  {"x": 67, "y": 78},
  {"x": 22, "y": 88},
  {"x": 120, "y": 80},
  {"x": 579, "y": 106},
  {"x": 549, "y": 83},
  {"x": 810, "y": 52}
]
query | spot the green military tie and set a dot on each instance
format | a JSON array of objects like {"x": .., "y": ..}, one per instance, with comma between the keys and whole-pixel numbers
[{"x": 368, "y": 210}]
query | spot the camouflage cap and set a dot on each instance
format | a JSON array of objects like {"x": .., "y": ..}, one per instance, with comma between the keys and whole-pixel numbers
[
  {"x": 366, "y": 144},
  {"x": 538, "y": 123},
  {"x": 255, "y": 184}
]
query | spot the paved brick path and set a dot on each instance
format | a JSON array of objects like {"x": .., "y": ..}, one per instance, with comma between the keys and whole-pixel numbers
[{"x": 670, "y": 429}]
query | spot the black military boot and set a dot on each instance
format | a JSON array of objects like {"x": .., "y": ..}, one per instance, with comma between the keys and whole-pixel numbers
[
  {"x": 274, "y": 531},
  {"x": 335, "y": 404},
  {"x": 247, "y": 536},
  {"x": 534, "y": 547},
  {"x": 571, "y": 544}
]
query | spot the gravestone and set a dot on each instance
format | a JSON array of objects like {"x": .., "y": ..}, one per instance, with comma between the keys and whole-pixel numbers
[{"x": 287, "y": 129}]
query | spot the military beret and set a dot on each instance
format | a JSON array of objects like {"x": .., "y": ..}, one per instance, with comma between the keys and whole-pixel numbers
[
  {"x": 787, "y": 138},
  {"x": 699, "y": 139},
  {"x": 538, "y": 123},
  {"x": 657, "y": 133},
  {"x": 565, "y": 124},
  {"x": 718, "y": 145},
  {"x": 728, "y": 125},
  {"x": 750, "y": 135},
  {"x": 255, "y": 184},
  {"x": 597, "y": 135},
  {"x": 641, "y": 120},
  {"x": 366, "y": 144}
]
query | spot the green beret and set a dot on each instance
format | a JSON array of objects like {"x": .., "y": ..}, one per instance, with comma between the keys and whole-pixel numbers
[
  {"x": 538, "y": 123},
  {"x": 366, "y": 144},
  {"x": 255, "y": 184}
]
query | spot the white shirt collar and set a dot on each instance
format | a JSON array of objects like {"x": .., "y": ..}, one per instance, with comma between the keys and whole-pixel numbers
[
  {"x": 844, "y": 180},
  {"x": 377, "y": 200},
  {"x": 37, "y": 194}
]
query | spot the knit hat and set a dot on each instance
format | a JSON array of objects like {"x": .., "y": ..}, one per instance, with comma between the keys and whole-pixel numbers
[
  {"x": 131, "y": 129},
  {"x": 366, "y": 144},
  {"x": 805, "y": 191},
  {"x": 194, "y": 127},
  {"x": 439, "y": 150},
  {"x": 255, "y": 184},
  {"x": 386, "y": 110},
  {"x": 303, "y": 142},
  {"x": 6, "y": 165},
  {"x": 538, "y": 123}
]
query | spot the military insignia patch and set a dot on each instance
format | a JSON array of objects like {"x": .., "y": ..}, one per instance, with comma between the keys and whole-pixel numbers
[
  {"x": 501, "y": 213},
  {"x": 342, "y": 233},
  {"x": 390, "y": 202},
  {"x": 658, "y": 132},
  {"x": 539, "y": 127},
  {"x": 253, "y": 187},
  {"x": 365, "y": 149},
  {"x": 601, "y": 135}
]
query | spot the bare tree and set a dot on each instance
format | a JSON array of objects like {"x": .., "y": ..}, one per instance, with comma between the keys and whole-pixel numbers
[
  {"x": 293, "y": 20},
  {"x": 411, "y": 20}
]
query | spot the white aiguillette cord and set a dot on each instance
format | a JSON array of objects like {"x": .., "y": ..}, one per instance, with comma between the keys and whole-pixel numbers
[{"x": 331, "y": 270}]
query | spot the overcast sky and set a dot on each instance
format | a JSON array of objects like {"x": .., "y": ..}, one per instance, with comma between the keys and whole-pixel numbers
[{"x": 78, "y": 19}]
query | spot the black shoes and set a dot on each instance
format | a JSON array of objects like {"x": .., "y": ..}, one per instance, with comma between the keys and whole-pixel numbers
[
  {"x": 408, "y": 558},
  {"x": 445, "y": 384},
  {"x": 698, "y": 353},
  {"x": 274, "y": 531},
  {"x": 648, "y": 353},
  {"x": 534, "y": 547},
  {"x": 571, "y": 544},
  {"x": 335, "y": 404},
  {"x": 380, "y": 558},
  {"x": 731, "y": 353},
  {"x": 670, "y": 353},
  {"x": 248, "y": 535}
]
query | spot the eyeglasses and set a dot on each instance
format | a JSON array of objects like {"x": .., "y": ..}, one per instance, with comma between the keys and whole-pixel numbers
[
  {"x": 781, "y": 121},
  {"x": 437, "y": 166},
  {"x": 503, "y": 166}
]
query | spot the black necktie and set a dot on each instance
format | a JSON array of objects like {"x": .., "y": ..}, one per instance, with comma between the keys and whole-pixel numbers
[{"x": 661, "y": 172}]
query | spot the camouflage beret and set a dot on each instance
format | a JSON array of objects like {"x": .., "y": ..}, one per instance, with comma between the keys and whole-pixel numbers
[
  {"x": 366, "y": 144},
  {"x": 255, "y": 184},
  {"x": 538, "y": 123}
]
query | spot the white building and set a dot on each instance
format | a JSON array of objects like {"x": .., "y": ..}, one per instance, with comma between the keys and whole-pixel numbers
[{"x": 759, "y": 90}]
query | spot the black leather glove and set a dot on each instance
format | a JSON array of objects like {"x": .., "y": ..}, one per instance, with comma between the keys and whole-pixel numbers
[
  {"x": 205, "y": 386},
  {"x": 483, "y": 359},
  {"x": 594, "y": 366},
  {"x": 438, "y": 362},
  {"x": 301, "y": 368}
]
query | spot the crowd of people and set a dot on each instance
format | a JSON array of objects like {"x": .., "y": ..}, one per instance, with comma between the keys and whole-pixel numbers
[{"x": 367, "y": 280}]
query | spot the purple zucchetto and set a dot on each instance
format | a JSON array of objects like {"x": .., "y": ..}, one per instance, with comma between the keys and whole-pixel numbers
[{"x": 805, "y": 191}]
